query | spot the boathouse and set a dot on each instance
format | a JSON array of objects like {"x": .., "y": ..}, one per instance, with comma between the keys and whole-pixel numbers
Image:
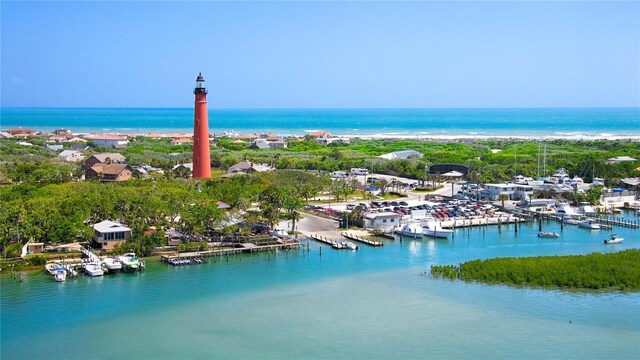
[{"x": 109, "y": 234}]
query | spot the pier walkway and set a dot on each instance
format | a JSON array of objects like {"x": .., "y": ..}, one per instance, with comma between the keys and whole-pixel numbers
[
  {"x": 362, "y": 240},
  {"x": 242, "y": 248}
]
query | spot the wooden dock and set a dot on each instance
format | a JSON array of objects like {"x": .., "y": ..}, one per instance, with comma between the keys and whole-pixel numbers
[
  {"x": 334, "y": 244},
  {"x": 243, "y": 248},
  {"x": 362, "y": 240}
]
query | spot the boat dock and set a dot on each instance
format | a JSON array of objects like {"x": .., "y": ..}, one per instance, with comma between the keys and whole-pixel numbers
[
  {"x": 362, "y": 240},
  {"x": 242, "y": 248},
  {"x": 333, "y": 243},
  {"x": 606, "y": 221}
]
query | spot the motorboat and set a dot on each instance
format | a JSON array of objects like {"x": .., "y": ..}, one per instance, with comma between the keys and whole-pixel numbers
[
  {"x": 129, "y": 261},
  {"x": 548, "y": 234},
  {"x": 570, "y": 220},
  {"x": 432, "y": 229},
  {"x": 52, "y": 268},
  {"x": 93, "y": 269},
  {"x": 60, "y": 275},
  {"x": 589, "y": 224},
  {"x": 564, "y": 209},
  {"x": 613, "y": 239},
  {"x": 411, "y": 229},
  {"x": 349, "y": 245},
  {"x": 112, "y": 264}
]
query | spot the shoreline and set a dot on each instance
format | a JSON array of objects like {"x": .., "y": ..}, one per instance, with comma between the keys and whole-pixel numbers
[{"x": 397, "y": 135}]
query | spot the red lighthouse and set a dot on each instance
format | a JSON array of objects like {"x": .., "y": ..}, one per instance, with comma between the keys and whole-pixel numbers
[{"x": 201, "y": 151}]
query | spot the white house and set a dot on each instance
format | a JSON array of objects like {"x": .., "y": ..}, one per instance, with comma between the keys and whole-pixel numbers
[
  {"x": 403, "y": 154},
  {"x": 109, "y": 140},
  {"x": 513, "y": 191},
  {"x": 109, "y": 234},
  {"x": 71, "y": 155},
  {"x": 381, "y": 220}
]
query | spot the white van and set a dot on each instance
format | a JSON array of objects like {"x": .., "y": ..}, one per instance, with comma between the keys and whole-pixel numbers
[
  {"x": 358, "y": 171},
  {"x": 338, "y": 174}
]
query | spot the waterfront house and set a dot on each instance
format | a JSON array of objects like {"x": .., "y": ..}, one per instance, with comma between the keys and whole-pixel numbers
[
  {"x": 381, "y": 220},
  {"x": 109, "y": 172},
  {"x": 402, "y": 155},
  {"x": 105, "y": 158},
  {"x": 109, "y": 234},
  {"x": 71, "y": 155}
]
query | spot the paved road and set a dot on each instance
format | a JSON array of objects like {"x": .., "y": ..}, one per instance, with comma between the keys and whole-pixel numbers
[{"x": 311, "y": 224}]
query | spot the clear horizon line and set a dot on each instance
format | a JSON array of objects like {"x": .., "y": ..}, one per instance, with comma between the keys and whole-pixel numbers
[{"x": 322, "y": 108}]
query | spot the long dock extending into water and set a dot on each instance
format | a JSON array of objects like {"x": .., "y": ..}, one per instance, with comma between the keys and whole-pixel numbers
[
  {"x": 362, "y": 240},
  {"x": 243, "y": 248}
]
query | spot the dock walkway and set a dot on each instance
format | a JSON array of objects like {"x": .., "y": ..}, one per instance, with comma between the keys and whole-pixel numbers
[
  {"x": 243, "y": 248},
  {"x": 362, "y": 240}
]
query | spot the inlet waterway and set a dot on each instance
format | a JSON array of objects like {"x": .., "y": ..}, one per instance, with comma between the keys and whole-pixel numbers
[{"x": 372, "y": 303}]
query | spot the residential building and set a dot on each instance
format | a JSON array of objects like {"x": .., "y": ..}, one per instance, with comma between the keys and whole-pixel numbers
[
  {"x": 105, "y": 158},
  {"x": 182, "y": 141},
  {"x": 402, "y": 155},
  {"x": 109, "y": 172},
  {"x": 54, "y": 147},
  {"x": 619, "y": 159},
  {"x": 247, "y": 167},
  {"x": 108, "y": 140},
  {"x": 109, "y": 234},
  {"x": 512, "y": 191},
  {"x": 71, "y": 155}
]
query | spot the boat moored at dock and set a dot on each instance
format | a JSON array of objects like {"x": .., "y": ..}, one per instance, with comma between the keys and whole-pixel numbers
[
  {"x": 589, "y": 224},
  {"x": 93, "y": 269},
  {"x": 411, "y": 229},
  {"x": 112, "y": 264},
  {"x": 432, "y": 229},
  {"x": 130, "y": 262}
]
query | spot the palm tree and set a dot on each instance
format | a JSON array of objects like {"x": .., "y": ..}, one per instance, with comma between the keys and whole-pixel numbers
[{"x": 502, "y": 198}]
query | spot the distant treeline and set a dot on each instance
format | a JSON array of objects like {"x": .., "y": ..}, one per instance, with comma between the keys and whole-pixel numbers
[{"x": 619, "y": 270}]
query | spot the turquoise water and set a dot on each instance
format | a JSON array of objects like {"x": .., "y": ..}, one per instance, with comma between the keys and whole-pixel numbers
[
  {"x": 531, "y": 123},
  {"x": 373, "y": 303}
]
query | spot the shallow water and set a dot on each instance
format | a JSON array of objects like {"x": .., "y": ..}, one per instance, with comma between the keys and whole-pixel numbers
[{"x": 373, "y": 303}]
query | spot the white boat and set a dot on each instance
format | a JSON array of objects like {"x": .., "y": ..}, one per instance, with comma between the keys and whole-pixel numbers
[
  {"x": 52, "y": 268},
  {"x": 112, "y": 264},
  {"x": 564, "y": 209},
  {"x": 569, "y": 220},
  {"x": 613, "y": 239},
  {"x": 411, "y": 229},
  {"x": 60, "y": 275},
  {"x": 548, "y": 234},
  {"x": 129, "y": 261},
  {"x": 93, "y": 269},
  {"x": 589, "y": 224},
  {"x": 350, "y": 245},
  {"x": 431, "y": 228}
]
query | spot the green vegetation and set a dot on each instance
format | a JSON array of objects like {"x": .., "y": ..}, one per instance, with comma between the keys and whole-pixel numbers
[
  {"x": 619, "y": 270},
  {"x": 44, "y": 200}
]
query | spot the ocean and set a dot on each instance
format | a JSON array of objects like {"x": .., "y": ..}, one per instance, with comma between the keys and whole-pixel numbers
[
  {"x": 374, "y": 303},
  {"x": 585, "y": 123}
]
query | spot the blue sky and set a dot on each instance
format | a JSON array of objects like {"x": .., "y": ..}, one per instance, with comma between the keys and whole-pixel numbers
[{"x": 316, "y": 55}]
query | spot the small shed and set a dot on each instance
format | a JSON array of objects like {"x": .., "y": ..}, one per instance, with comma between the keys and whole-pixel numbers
[{"x": 35, "y": 248}]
